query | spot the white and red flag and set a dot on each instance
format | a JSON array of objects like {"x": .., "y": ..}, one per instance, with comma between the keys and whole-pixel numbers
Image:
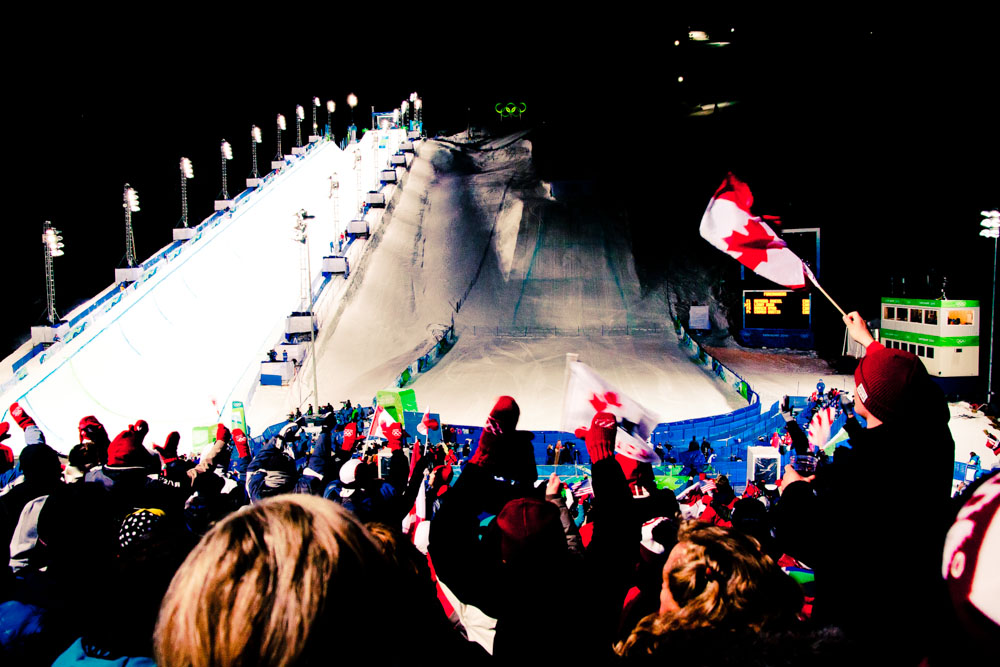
[
  {"x": 381, "y": 421},
  {"x": 587, "y": 393},
  {"x": 427, "y": 424},
  {"x": 729, "y": 225}
]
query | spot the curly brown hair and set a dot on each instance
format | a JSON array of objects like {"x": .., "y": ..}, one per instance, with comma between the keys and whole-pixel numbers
[{"x": 719, "y": 579}]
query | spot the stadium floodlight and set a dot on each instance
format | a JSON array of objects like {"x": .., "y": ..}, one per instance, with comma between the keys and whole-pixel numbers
[
  {"x": 352, "y": 101},
  {"x": 300, "y": 114},
  {"x": 255, "y": 138},
  {"x": 53, "y": 247},
  {"x": 131, "y": 205},
  {"x": 413, "y": 97},
  {"x": 330, "y": 108},
  {"x": 315, "y": 109},
  {"x": 227, "y": 154},
  {"x": 187, "y": 171},
  {"x": 281, "y": 127},
  {"x": 992, "y": 225}
]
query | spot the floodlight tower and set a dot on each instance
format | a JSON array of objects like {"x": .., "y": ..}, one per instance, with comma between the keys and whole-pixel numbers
[
  {"x": 227, "y": 154},
  {"x": 418, "y": 104},
  {"x": 330, "y": 108},
  {"x": 281, "y": 127},
  {"x": 352, "y": 101},
  {"x": 315, "y": 110},
  {"x": 301, "y": 235},
  {"x": 405, "y": 107},
  {"x": 187, "y": 171},
  {"x": 131, "y": 205},
  {"x": 992, "y": 224},
  {"x": 52, "y": 243},
  {"x": 255, "y": 138},
  {"x": 300, "y": 114}
]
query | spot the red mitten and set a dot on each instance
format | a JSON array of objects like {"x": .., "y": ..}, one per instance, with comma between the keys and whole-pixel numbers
[
  {"x": 395, "y": 436},
  {"x": 222, "y": 433},
  {"x": 20, "y": 416},
  {"x": 4, "y": 427},
  {"x": 168, "y": 452},
  {"x": 350, "y": 436},
  {"x": 93, "y": 431},
  {"x": 600, "y": 437},
  {"x": 241, "y": 442},
  {"x": 499, "y": 425},
  {"x": 141, "y": 428}
]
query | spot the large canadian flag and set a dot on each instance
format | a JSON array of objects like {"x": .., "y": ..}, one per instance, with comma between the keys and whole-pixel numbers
[
  {"x": 729, "y": 225},
  {"x": 587, "y": 393},
  {"x": 381, "y": 421}
]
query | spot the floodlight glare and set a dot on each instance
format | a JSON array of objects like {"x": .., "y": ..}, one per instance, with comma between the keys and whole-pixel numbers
[
  {"x": 352, "y": 100},
  {"x": 300, "y": 113},
  {"x": 418, "y": 104},
  {"x": 330, "y": 106},
  {"x": 990, "y": 233},
  {"x": 131, "y": 199},
  {"x": 315, "y": 101},
  {"x": 255, "y": 134},
  {"x": 187, "y": 170},
  {"x": 281, "y": 122},
  {"x": 227, "y": 150},
  {"x": 413, "y": 96}
]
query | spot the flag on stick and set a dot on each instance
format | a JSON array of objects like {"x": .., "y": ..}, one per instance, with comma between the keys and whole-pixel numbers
[{"x": 729, "y": 225}]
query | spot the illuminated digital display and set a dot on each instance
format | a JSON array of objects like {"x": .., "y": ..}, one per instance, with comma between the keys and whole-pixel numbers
[{"x": 771, "y": 309}]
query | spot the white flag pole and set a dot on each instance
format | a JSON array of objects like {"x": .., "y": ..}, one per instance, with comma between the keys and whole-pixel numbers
[{"x": 812, "y": 279}]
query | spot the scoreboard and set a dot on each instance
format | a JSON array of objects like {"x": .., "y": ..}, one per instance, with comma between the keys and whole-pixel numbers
[{"x": 776, "y": 309}]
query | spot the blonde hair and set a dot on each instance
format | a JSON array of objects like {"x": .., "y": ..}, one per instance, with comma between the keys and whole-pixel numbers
[
  {"x": 722, "y": 580},
  {"x": 260, "y": 587}
]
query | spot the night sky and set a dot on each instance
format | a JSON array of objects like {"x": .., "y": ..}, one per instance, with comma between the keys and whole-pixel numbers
[{"x": 882, "y": 135}]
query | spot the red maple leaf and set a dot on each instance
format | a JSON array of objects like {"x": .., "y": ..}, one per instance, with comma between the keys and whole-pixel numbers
[
  {"x": 601, "y": 402},
  {"x": 753, "y": 246}
]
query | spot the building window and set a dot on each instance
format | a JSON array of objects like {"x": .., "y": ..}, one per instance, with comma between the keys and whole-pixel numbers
[
  {"x": 960, "y": 317},
  {"x": 920, "y": 350},
  {"x": 890, "y": 313},
  {"x": 958, "y": 349},
  {"x": 930, "y": 352},
  {"x": 901, "y": 315},
  {"x": 930, "y": 317},
  {"x": 916, "y": 315},
  {"x": 913, "y": 348}
]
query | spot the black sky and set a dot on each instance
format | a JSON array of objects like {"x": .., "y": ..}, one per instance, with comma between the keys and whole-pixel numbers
[{"x": 881, "y": 134}]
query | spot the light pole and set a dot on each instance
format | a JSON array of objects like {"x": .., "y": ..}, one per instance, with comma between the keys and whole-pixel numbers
[
  {"x": 131, "y": 205},
  {"x": 255, "y": 139},
  {"x": 281, "y": 126},
  {"x": 227, "y": 154},
  {"x": 300, "y": 114},
  {"x": 315, "y": 109},
  {"x": 992, "y": 224},
  {"x": 187, "y": 171},
  {"x": 352, "y": 101},
  {"x": 53, "y": 248},
  {"x": 330, "y": 108},
  {"x": 301, "y": 234}
]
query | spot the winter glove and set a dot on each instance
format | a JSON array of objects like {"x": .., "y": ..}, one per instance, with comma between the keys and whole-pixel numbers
[
  {"x": 350, "y": 436},
  {"x": 395, "y": 436},
  {"x": 501, "y": 422},
  {"x": 600, "y": 437},
  {"x": 222, "y": 433},
  {"x": 4, "y": 427},
  {"x": 168, "y": 452},
  {"x": 20, "y": 416},
  {"x": 241, "y": 442},
  {"x": 93, "y": 431},
  {"x": 141, "y": 428}
]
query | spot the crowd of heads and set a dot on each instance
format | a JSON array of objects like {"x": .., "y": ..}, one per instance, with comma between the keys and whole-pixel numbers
[{"x": 317, "y": 544}]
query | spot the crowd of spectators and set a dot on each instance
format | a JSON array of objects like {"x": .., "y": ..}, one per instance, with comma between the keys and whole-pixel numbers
[{"x": 327, "y": 548}]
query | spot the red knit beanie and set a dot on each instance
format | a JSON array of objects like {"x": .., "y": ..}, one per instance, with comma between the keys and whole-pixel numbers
[
  {"x": 127, "y": 450},
  {"x": 884, "y": 378}
]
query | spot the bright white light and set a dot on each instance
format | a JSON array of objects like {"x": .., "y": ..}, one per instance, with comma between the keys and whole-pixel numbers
[
  {"x": 677, "y": 42},
  {"x": 315, "y": 101},
  {"x": 227, "y": 150},
  {"x": 395, "y": 115},
  {"x": 418, "y": 103},
  {"x": 680, "y": 79},
  {"x": 300, "y": 113},
  {"x": 281, "y": 122},
  {"x": 52, "y": 239},
  {"x": 330, "y": 106},
  {"x": 992, "y": 223},
  {"x": 990, "y": 214},
  {"x": 352, "y": 100},
  {"x": 990, "y": 233},
  {"x": 187, "y": 170},
  {"x": 131, "y": 199},
  {"x": 255, "y": 134},
  {"x": 698, "y": 35}
]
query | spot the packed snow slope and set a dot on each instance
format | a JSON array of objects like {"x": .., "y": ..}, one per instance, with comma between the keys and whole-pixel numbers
[
  {"x": 476, "y": 238},
  {"x": 182, "y": 345}
]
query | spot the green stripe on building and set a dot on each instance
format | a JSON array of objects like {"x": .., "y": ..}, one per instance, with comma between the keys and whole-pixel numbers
[
  {"x": 929, "y": 303},
  {"x": 927, "y": 339}
]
